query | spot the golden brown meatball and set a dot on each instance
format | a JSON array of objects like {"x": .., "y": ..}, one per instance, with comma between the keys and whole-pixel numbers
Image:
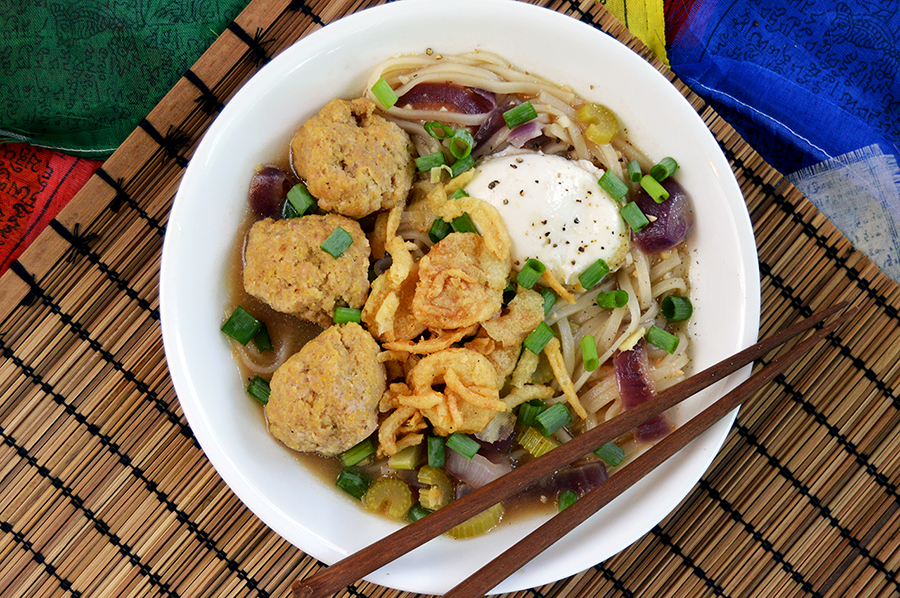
[
  {"x": 354, "y": 161},
  {"x": 325, "y": 398},
  {"x": 285, "y": 266}
]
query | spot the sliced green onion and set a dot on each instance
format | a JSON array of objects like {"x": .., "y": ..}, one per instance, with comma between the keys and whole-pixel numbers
[
  {"x": 530, "y": 273},
  {"x": 301, "y": 199},
  {"x": 519, "y": 115},
  {"x": 426, "y": 163},
  {"x": 461, "y": 166},
  {"x": 262, "y": 340},
  {"x": 354, "y": 455},
  {"x": 594, "y": 274},
  {"x": 611, "y": 453},
  {"x": 662, "y": 339},
  {"x": 353, "y": 483},
  {"x": 633, "y": 215},
  {"x": 288, "y": 211},
  {"x": 613, "y": 185},
  {"x": 337, "y": 242},
  {"x": 343, "y": 315},
  {"x": 664, "y": 169},
  {"x": 634, "y": 171},
  {"x": 462, "y": 444},
  {"x": 459, "y": 193},
  {"x": 530, "y": 410},
  {"x": 654, "y": 189},
  {"x": 565, "y": 499},
  {"x": 612, "y": 299},
  {"x": 463, "y": 224},
  {"x": 677, "y": 309},
  {"x": 589, "y": 353},
  {"x": 461, "y": 144},
  {"x": 384, "y": 93},
  {"x": 416, "y": 512},
  {"x": 436, "y": 452},
  {"x": 550, "y": 298},
  {"x": 259, "y": 389},
  {"x": 552, "y": 419},
  {"x": 439, "y": 229},
  {"x": 438, "y": 130},
  {"x": 538, "y": 339},
  {"x": 241, "y": 326}
]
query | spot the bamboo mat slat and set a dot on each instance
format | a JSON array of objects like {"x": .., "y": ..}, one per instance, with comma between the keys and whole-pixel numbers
[{"x": 104, "y": 491}]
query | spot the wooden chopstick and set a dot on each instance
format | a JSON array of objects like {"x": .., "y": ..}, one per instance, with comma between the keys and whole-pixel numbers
[
  {"x": 562, "y": 523},
  {"x": 395, "y": 545}
]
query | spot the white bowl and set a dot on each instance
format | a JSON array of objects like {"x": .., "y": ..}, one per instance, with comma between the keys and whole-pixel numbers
[{"x": 256, "y": 126}]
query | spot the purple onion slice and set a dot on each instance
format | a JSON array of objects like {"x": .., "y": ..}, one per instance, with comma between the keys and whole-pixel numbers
[
  {"x": 268, "y": 188},
  {"x": 670, "y": 221}
]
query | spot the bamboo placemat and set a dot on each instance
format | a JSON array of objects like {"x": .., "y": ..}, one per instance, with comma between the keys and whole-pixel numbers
[{"x": 105, "y": 492}]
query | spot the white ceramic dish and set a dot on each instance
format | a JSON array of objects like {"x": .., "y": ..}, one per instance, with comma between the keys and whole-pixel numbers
[{"x": 256, "y": 126}]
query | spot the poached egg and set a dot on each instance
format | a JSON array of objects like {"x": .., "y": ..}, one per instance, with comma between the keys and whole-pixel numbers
[{"x": 555, "y": 211}]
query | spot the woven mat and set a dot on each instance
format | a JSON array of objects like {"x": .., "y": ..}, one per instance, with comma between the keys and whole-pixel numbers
[{"x": 105, "y": 492}]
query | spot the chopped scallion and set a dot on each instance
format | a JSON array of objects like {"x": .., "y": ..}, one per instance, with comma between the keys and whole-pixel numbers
[
  {"x": 262, "y": 340},
  {"x": 439, "y": 229},
  {"x": 241, "y": 326},
  {"x": 566, "y": 499},
  {"x": 611, "y": 453},
  {"x": 677, "y": 309},
  {"x": 384, "y": 93},
  {"x": 462, "y": 444},
  {"x": 463, "y": 224},
  {"x": 301, "y": 199},
  {"x": 337, "y": 242},
  {"x": 438, "y": 130},
  {"x": 426, "y": 163},
  {"x": 461, "y": 166},
  {"x": 552, "y": 419},
  {"x": 436, "y": 452},
  {"x": 357, "y": 453},
  {"x": 612, "y": 299},
  {"x": 520, "y": 114},
  {"x": 633, "y": 215},
  {"x": 530, "y": 273},
  {"x": 662, "y": 339},
  {"x": 344, "y": 315},
  {"x": 416, "y": 512},
  {"x": 589, "y": 353},
  {"x": 664, "y": 169},
  {"x": 259, "y": 389},
  {"x": 654, "y": 189},
  {"x": 538, "y": 339},
  {"x": 613, "y": 185},
  {"x": 458, "y": 194},
  {"x": 594, "y": 274},
  {"x": 634, "y": 171},
  {"x": 461, "y": 144},
  {"x": 550, "y": 298},
  {"x": 530, "y": 410},
  {"x": 353, "y": 483}
]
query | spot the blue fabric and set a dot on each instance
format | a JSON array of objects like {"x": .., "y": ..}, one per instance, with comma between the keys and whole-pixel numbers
[{"x": 802, "y": 81}]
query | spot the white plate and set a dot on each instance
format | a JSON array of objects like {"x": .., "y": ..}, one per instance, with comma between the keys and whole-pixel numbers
[{"x": 256, "y": 126}]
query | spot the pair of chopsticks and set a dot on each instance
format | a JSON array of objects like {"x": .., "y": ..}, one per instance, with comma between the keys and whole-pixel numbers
[{"x": 380, "y": 553}]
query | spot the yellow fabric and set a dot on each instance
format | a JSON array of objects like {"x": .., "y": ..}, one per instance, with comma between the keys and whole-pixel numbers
[{"x": 645, "y": 19}]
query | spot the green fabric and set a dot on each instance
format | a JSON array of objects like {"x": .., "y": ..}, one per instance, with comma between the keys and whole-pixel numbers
[{"x": 79, "y": 75}]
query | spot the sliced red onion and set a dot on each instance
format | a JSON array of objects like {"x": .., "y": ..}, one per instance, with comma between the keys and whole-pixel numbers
[
  {"x": 670, "y": 221},
  {"x": 477, "y": 472},
  {"x": 492, "y": 123},
  {"x": 524, "y": 133},
  {"x": 635, "y": 386},
  {"x": 268, "y": 188},
  {"x": 497, "y": 436},
  {"x": 580, "y": 479},
  {"x": 448, "y": 96}
]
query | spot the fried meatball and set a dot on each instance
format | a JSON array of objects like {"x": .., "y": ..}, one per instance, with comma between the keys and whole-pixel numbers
[
  {"x": 285, "y": 266},
  {"x": 353, "y": 160},
  {"x": 324, "y": 399}
]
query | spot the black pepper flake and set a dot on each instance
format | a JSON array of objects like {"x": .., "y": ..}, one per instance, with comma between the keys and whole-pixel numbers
[
  {"x": 536, "y": 182},
  {"x": 567, "y": 243},
  {"x": 555, "y": 245},
  {"x": 522, "y": 192},
  {"x": 513, "y": 166},
  {"x": 576, "y": 221},
  {"x": 543, "y": 222},
  {"x": 573, "y": 262},
  {"x": 547, "y": 234},
  {"x": 493, "y": 184},
  {"x": 505, "y": 201},
  {"x": 581, "y": 249}
]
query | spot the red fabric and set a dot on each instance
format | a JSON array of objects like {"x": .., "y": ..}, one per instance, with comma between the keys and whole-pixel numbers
[{"x": 35, "y": 184}]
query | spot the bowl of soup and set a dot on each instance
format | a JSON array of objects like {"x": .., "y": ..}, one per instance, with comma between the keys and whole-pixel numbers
[{"x": 205, "y": 253}]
